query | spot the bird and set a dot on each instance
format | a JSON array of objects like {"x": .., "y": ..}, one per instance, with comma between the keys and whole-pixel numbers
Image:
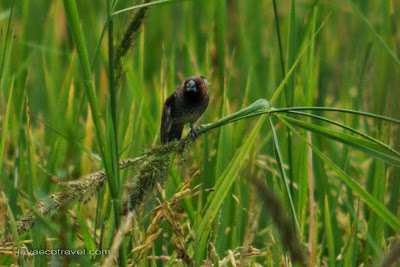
[{"x": 185, "y": 105}]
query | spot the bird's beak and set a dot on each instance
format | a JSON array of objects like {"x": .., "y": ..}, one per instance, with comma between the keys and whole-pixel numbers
[{"x": 191, "y": 86}]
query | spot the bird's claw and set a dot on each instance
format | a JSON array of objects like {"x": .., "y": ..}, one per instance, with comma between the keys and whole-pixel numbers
[{"x": 193, "y": 133}]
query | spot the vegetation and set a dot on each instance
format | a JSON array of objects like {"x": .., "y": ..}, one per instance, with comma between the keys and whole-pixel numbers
[{"x": 297, "y": 161}]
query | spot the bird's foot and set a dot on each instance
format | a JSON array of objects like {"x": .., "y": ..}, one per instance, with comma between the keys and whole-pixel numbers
[{"x": 193, "y": 133}]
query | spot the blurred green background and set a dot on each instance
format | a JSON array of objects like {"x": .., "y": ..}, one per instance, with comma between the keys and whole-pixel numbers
[{"x": 353, "y": 62}]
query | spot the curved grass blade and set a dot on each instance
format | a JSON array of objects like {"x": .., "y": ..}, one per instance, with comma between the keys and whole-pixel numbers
[
  {"x": 372, "y": 202},
  {"x": 243, "y": 113},
  {"x": 362, "y": 113},
  {"x": 154, "y": 3},
  {"x": 366, "y": 146},
  {"x": 350, "y": 111},
  {"x": 376, "y": 141}
]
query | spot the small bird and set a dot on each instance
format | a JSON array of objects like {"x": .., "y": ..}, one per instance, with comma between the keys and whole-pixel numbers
[{"x": 185, "y": 105}]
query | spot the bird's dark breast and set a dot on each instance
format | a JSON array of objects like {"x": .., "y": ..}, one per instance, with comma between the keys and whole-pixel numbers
[
  {"x": 192, "y": 98},
  {"x": 190, "y": 109}
]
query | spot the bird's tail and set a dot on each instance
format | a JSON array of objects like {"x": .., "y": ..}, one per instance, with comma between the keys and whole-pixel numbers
[{"x": 175, "y": 133}]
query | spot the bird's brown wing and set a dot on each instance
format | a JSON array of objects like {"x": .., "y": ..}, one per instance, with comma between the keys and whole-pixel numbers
[
  {"x": 166, "y": 120},
  {"x": 170, "y": 130}
]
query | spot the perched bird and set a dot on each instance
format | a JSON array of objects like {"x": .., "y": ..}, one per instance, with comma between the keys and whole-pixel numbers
[{"x": 185, "y": 105}]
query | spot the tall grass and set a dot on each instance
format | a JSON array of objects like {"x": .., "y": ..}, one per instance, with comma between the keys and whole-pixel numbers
[{"x": 304, "y": 102}]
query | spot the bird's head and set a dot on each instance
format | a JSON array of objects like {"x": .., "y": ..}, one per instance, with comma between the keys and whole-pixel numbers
[{"x": 194, "y": 88}]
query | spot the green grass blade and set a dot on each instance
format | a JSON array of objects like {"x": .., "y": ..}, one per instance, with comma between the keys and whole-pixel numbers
[
  {"x": 6, "y": 120},
  {"x": 153, "y": 3},
  {"x": 350, "y": 111},
  {"x": 220, "y": 9},
  {"x": 84, "y": 231},
  {"x": 372, "y": 202},
  {"x": 111, "y": 125},
  {"x": 6, "y": 47},
  {"x": 222, "y": 188},
  {"x": 366, "y": 146},
  {"x": 248, "y": 111},
  {"x": 12, "y": 223},
  {"x": 291, "y": 70},
  {"x": 76, "y": 30},
  {"x": 376, "y": 34},
  {"x": 291, "y": 55},
  {"x": 376, "y": 141},
  {"x": 379, "y": 181},
  {"x": 38, "y": 236},
  {"x": 278, "y": 157},
  {"x": 33, "y": 181},
  {"x": 278, "y": 35},
  {"x": 329, "y": 233},
  {"x": 74, "y": 24}
]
